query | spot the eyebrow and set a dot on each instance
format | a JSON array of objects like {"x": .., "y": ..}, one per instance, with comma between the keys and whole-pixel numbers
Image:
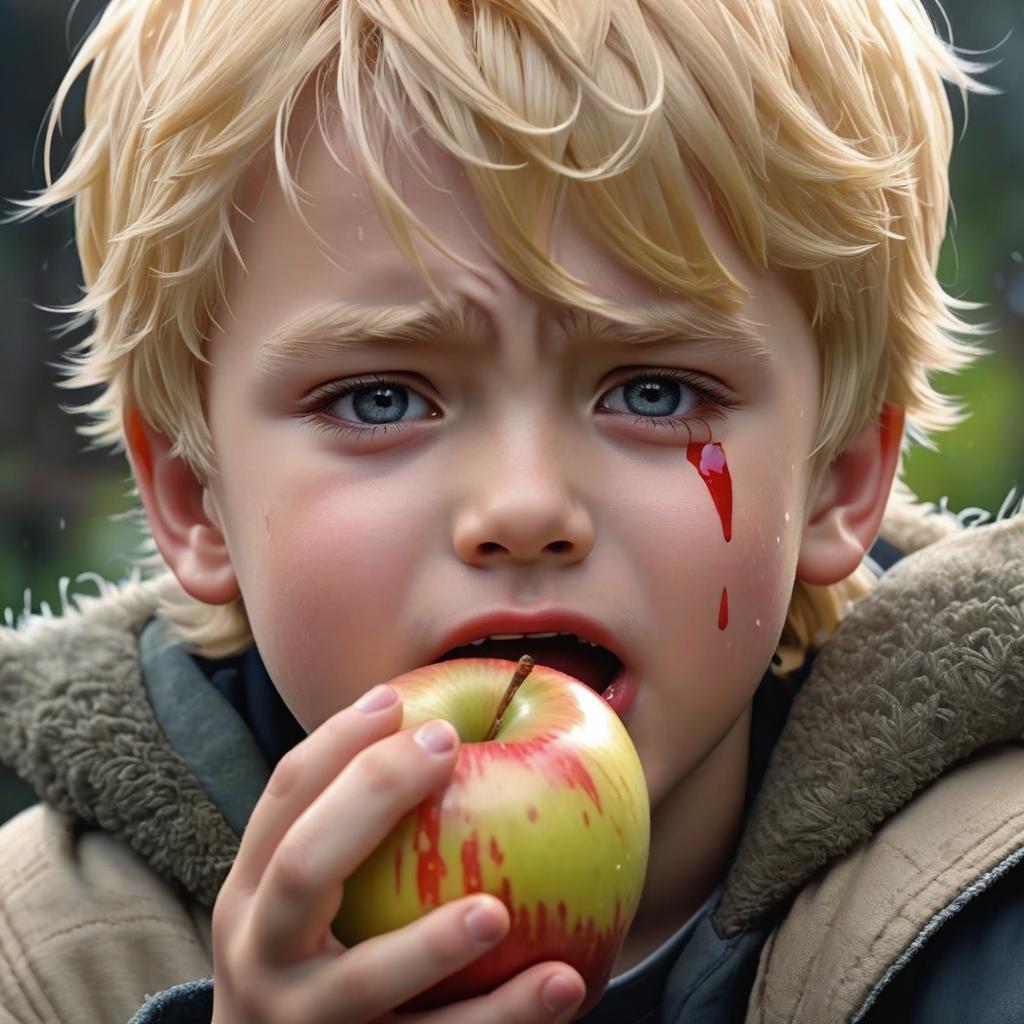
[{"x": 337, "y": 328}]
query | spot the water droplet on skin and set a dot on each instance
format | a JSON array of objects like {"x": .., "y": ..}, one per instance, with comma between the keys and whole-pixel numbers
[
  {"x": 778, "y": 540},
  {"x": 360, "y": 233},
  {"x": 757, "y": 622},
  {"x": 787, "y": 517}
]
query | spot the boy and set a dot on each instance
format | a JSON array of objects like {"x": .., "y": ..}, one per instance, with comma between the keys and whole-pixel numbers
[{"x": 394, "y": 303}]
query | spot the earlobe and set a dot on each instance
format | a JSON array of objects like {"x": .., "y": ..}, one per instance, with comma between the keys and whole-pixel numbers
[
  {"x": 848, "y": 513},
  {"x": 182, "y": 513}
]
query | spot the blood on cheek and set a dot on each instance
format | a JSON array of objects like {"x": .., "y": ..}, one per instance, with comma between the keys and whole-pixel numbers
[{"x": 710, "y": 462}]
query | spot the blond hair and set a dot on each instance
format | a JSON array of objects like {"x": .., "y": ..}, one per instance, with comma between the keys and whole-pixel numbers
[{"x": 818, "y": 130}]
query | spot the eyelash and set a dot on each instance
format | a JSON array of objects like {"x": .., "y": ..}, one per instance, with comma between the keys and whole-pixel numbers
[{"x": 715, "y": 400}]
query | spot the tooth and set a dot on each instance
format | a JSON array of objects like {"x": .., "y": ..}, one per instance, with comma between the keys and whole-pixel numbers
[{"x": 531, "y": 636}]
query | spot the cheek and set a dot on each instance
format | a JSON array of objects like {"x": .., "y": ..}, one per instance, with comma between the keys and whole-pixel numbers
[
  {"x": 319, "y": 589},
  {"x": 722, "y": 556}
]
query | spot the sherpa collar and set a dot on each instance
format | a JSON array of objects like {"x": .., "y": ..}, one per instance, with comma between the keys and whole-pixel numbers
[
  {"x": 76, "y": 724},
  {"x": 927, "y": 669}
]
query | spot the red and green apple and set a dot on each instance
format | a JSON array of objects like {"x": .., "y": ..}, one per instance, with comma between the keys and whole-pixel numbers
[{"x": 547, "y": 809}]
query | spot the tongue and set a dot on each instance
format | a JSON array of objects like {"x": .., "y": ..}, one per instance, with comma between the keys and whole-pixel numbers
[{"x": 594, "y": 666}]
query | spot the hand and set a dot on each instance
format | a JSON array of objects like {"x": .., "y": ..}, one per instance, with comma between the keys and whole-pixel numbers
[{"x": 328, "y": 805}]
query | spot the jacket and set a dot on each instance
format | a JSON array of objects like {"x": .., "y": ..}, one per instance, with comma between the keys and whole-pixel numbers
[{"x": 879, "y": 875}]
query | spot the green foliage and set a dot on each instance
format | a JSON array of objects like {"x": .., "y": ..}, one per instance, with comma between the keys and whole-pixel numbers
[{"x": 981, "y": 460}]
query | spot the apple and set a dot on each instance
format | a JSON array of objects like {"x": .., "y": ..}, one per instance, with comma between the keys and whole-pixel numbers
[{"x": 547, "y": 809}]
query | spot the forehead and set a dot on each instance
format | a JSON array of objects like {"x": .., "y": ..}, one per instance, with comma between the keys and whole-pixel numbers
[{"x": 334, "y": 269}]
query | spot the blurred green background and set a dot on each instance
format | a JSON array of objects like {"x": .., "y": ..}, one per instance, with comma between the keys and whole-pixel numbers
[{"x": 64, "y": 510}]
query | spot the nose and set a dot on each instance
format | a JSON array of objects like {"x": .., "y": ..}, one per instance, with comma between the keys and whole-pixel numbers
[{"x": 522, "y": 509}]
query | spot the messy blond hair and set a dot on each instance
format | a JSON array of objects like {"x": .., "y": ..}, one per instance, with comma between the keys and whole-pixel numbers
[{"x": 818, "y": 130}]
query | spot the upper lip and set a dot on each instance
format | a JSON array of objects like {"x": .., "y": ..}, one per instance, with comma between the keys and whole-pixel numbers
[{"x": 550, "y": 620}]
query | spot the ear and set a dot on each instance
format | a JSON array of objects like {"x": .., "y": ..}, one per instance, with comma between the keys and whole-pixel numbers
[
  {"x": 848, "y": 511},
  {"x": 183, "y": 515}
]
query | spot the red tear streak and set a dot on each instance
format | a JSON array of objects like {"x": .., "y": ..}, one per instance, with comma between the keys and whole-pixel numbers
[
  {"x": 709, "y": 460},
  {"x": 723, "y": 610}
]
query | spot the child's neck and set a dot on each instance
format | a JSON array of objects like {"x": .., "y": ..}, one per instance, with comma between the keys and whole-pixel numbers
[{"x": 694, "y": 831}]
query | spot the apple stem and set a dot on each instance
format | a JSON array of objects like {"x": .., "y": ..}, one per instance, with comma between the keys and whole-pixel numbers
[{"x": 524, "y": 668}]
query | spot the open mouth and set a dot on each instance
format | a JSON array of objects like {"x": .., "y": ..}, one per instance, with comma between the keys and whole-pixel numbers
[{"x": 591, "y": 664}]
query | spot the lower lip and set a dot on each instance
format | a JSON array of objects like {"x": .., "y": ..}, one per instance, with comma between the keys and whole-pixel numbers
[{"x": 621, "y": 692}]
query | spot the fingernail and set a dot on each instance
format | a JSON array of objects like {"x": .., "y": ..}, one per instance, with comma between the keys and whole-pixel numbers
[
  {"x": 559, "y": 994},
  {"x": 377, "y": 699},
  {"x": 436, "y": 737},
  {"x": 485, "y": 925}
]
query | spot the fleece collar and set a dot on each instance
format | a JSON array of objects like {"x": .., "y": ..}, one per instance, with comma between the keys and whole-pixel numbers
[
  {"x": 75, "y": 722},
  {"x": 927, "y": 669}
]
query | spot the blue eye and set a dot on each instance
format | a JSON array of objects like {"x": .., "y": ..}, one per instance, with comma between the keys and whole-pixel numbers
[
  {"x": 649, "y": 396},
  {"x": 653, "y": 396},
  {"x": 380, "y": 404}
]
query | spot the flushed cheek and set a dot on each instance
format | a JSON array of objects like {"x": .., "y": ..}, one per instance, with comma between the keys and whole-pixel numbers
[
  {"x": 717, "y": 584},
  {"x": 696, "y": 532},
  {"x": 321, "y": 612}
]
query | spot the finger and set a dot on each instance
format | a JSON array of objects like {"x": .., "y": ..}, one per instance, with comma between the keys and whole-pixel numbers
[
  {"x": 383, "y": 972},
  {"x": 301, "y": 891},
  {"x": 302, "y": 774},
  {"x": 548, "y": 993}
]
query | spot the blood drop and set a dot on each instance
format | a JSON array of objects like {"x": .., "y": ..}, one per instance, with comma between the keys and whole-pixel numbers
[{"x": 709, "y": 459}]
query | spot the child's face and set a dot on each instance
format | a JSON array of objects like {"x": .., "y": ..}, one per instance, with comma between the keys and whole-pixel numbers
[{"x": 514, "y": 473}]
